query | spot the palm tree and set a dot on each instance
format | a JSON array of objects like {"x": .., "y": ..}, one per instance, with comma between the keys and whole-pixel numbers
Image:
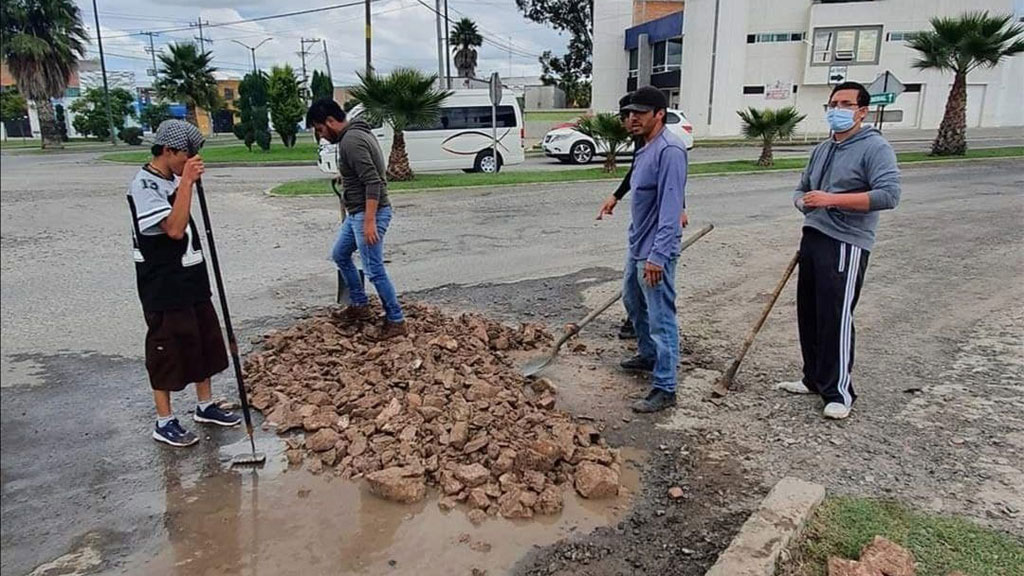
[
  {"x": 186, "y": 76},
  {"x": 41, "y": 41},
  {"x": 465, "y": 38},
  {"x": 960, "y": 45},
  {"x": 405, "y": 98},
  {"x": 769, "y": 124},
  {"x": 606, "y": 129}
]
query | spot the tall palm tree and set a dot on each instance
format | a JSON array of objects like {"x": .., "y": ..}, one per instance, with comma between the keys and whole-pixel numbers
[
  {"x": 607, "y": 129},
  {"x": 186, "y": 76},
  {"x": 465, "y": 39},
  {"x": 405, "y": 98},
  {"x": 960, "y": 45},
  {"x": 768, "y": 125},
  {"x": 41, "y": 41}
]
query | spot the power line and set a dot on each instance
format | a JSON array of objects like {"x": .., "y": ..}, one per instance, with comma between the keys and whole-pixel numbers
[
  {"x": 517, "y": 51},
  {"x": 492, "y": 33}
]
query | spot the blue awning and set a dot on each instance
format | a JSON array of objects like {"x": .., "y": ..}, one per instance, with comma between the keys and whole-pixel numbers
[{"x": 663, "y": 28}]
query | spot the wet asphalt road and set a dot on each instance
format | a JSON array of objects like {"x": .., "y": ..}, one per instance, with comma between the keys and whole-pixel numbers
[{"x": 77, "y": 461}]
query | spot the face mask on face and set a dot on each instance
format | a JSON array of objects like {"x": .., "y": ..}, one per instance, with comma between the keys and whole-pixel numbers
[{"x": 839, "y": 119}]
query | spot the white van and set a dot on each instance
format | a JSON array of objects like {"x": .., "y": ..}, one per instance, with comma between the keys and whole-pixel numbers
[{"x": 461, "y": 139}]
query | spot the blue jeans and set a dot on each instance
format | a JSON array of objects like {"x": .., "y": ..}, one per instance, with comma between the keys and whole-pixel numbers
[
  {"x": 350, "y": 239},
  {"x": 652, "y": 310}
]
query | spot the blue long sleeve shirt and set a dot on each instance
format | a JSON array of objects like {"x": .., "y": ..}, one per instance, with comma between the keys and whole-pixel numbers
[{"x": 659, "y": 186}]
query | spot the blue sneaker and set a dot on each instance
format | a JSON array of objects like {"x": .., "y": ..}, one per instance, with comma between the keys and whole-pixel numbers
[
  {"x": 174, "y": 434},
  {"x": 214, "y": 415}
]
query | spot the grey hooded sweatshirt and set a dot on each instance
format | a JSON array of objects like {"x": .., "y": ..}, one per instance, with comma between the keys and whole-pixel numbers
[
  {"x": 362, "y": 167},
  {"x": 863, "y": 162}
]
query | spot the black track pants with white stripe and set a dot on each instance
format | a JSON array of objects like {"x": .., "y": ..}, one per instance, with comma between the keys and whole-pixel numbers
[{"x": 828, "y": 287}]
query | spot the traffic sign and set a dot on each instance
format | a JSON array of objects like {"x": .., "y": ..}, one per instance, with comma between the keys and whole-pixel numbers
[
  {"x": 887, "y": 82},
  {"x": 837, "y": 74},
  {"x": 495, "y": 89},
  {"x": 883, "y": 99}
]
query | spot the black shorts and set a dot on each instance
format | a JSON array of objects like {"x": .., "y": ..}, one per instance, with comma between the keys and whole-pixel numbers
[{"x": 183, "y": 346}]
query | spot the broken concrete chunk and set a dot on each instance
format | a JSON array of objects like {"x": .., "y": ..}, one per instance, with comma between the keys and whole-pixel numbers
[
  {"x": 472, "y": 475},
  {"x": 397, "y": 484},
  {"x": 596, "y": 481},
  {"x": 322, "y": 440}
]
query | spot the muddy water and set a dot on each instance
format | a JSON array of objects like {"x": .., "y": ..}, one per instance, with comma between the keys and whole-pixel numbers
[{"x": 276, "y": 522}]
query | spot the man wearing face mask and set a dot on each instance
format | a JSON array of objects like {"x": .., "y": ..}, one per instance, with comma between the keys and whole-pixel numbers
[{"x": 849, "y": 178}]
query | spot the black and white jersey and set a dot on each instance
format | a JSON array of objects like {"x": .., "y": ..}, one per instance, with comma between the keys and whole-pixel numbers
[{"x": 170, "y": 273}]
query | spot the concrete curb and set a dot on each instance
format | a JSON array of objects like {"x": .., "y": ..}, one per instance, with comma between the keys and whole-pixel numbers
[{"x": 781, "y": 517}]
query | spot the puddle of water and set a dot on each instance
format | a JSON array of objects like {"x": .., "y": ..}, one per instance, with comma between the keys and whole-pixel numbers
[{"x": 277, "y": 521}]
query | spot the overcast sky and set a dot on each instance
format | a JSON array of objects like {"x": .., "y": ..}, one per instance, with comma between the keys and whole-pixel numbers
[{"x": 404, "y": 33}]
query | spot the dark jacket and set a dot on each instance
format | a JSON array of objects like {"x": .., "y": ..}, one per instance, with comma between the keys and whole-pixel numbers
[{"x": 362, "y": 168}]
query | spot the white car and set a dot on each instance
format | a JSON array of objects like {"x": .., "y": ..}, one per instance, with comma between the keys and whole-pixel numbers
[{"x": 572, "y": 146}]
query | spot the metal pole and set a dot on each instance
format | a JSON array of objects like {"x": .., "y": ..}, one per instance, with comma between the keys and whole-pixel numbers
[
  {"x": 103, "y": 69},
  {"x": 440, "y": 44},
  {"x": 152, "y": 50},
  {"x": 327, "y": 59},
  {"x": 714, "y": 55},
  {"x": 369, "y": 44},
  {"x": 253, "y": 51},
  {"x": 494, "y": 136},
  {"x": 447, "y": 49}
]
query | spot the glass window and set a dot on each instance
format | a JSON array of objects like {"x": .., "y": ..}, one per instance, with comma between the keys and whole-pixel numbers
[
  {"x": 471, "y": 118},
  {"x": 751, "y": 38},
  {"x": 846, "y": 42},
  {"x": 634, "y": 62},
  {"x": 867, "y": 45},
  {"x": 796, "y": 37},
  {"x": 229, "y": 94},
  {"x": 674, "y": 57},
  {"x": 780, "y": 37},
  {"x": 659, "y": 57},
  {"x": 822, "y": 49},
  {"x": 671, "y": 118}
]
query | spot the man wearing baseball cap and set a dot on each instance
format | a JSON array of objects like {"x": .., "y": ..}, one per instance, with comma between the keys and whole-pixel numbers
[
  {"x": 183, "y": 340},
  {"x": 658, "y": 184}
]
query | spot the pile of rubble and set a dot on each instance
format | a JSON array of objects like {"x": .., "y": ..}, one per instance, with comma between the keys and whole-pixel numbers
[{"x": 442, "y": 407}]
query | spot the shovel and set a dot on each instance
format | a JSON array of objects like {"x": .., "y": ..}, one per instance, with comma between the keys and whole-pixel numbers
[{"x": 538, "y": 364}]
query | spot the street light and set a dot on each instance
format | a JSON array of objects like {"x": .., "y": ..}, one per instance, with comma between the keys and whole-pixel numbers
[{"x": 252, "y": 49}]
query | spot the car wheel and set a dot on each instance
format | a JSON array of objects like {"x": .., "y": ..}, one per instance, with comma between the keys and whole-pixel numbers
[
  {"x": 581, "y": 153},
  {"x": 485, "y": 162}
]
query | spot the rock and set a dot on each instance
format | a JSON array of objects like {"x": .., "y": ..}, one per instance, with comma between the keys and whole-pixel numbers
[
  {"x": 478, "y": 499},
  {"x": 477, "y": 517},
  {"x": 549, "y": 501},
  {"x": 535, "y": 480},
  {"x": 843, "y": 567},
  {"x": 480, "y": 546},
  {"x": 476, "y": 444},
  {"x": 505, "y": 462},
  {"x": 541, "y": 455},
  {"x": 322, "y": 440},
  {"x": 596, "y": 481},
  {"x": 429, "y": 412},
  {"x": 315, "y": 466},
  {"x": 398, "y": 484},
  {"x": 543, "y": 385},
  {"x": 317, "y": 421},
  {"x": 459, "y": 434},
  {"x": 501, "y": 343},
  {"x": 511, "y": 506},
  {"x": 393, "y": 409},
  {"x": 481, "y": 391},
  {"x": 447, "y": 503},
  {"x": 587, "y": 435},
  {"x": 472, "y": 475},
  {"x": 449, "y": 485},
  {"x": 329, "y": 457},
  {"x": 597, "y": 454},
  {"x": 676, "y": 493},
  {"x": 294, "y": 457},
  {"x": 889, "y": 558},
  {"x": 546, "y": 402},
  {"x": 358, "y": 445}
]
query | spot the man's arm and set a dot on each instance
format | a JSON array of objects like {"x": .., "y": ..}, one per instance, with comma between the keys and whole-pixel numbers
[
  {"x": 804, "y": 186},
  {"x": 360, "y": 157},
  {"x": 609, "y": 205},
  {"x": 884, "y": 192},
  {"x": 176, "y": 222},
  {"x": 671, "y": 192},
  {"x": 623, "y": 188}
]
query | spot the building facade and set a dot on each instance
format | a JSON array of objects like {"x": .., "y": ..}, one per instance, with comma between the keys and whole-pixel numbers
[{"x": 714, "y": 57}]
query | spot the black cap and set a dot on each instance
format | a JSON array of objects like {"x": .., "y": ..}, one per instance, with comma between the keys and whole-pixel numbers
[
  {"x": 624, "y": 101},
  {"x": 646, "y": 99}
]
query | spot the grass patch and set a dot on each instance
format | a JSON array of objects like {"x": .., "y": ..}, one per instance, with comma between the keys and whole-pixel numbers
[
  {"x": 320, "y": 186},
  {"x": 218, "y": 153},
  {"x": 553, "y": 115},
  {"x": 940, "y": 544}
]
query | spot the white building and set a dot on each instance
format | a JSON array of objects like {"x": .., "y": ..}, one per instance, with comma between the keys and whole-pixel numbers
[{"x": 714, "y": 57}]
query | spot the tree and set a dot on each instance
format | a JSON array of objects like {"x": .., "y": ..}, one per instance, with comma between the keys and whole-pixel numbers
[
  {"x": 607, "y": 129},
  {"x": 405, "y": 98},
  {"x": 13, "y": 105},
  {"x": 154, "y": 114},
  {"x": 321, "y": 86},
  {"x": 465, "y": 39},
  {"x": 287, "y": 108},
  {"x": 769, "y": 125},
  {"x": 959, "y": 45},
  {"x": 252, "y": 105},
  {"x": 571, "y": 71},
  {"x": 91, "y": 112},
  {"x": 186, "y": 76},
  {"x": 41, "y": 41}
]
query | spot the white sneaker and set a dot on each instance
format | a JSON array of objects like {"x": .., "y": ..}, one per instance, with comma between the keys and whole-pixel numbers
[
  {"x": 795, "y": 387},
  {"x": 836, "y": 411}
]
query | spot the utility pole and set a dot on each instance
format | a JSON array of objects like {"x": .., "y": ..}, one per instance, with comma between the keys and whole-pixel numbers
[
  {"x": 103, "y": 69},
  {"x": 202, "y": 39},
  {"x": 440, "y": 45},
  {"x": 447, "y": 48},
  {"x": 252, "y": 51},
  {"x": 302, "y": 53},
  {"x": 151, "y": 50},
  {"x": 509, "y": 56},
  {"x": 327, "y": 59},
  {"x": 369, "y": 43}
]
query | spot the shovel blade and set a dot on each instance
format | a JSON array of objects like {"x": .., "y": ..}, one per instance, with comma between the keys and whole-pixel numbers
[
  {"x": 249, "y": 459},
  {"x": 535, "y": 366}
]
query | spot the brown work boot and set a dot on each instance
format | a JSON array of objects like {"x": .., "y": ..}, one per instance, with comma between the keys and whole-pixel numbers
[
  {"x": 352, "y": 314},
  {"x": 393, "y": 329}
]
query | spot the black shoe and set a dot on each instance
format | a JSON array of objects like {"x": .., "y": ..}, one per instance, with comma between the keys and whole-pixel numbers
[
  {"x": 656, "y": 401},
  {"x": 627, "y": 332},
  {"x": 638, "y": 363}
]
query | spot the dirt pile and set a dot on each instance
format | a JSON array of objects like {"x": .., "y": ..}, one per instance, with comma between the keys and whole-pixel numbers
[
  {"x": 443, "y": 407},
  {"x": 881, "y": 557}
]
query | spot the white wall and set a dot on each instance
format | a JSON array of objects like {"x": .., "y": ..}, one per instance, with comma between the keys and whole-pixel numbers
[{"x": 611, "y": 61}]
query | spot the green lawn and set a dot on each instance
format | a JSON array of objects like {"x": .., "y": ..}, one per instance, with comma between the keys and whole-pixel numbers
[
  {"x": 940, "y": 544},
  {"x": 321, "y": 186},
  {"x": 218, "y": 153},
  {"x": 553, "y": 115}
]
